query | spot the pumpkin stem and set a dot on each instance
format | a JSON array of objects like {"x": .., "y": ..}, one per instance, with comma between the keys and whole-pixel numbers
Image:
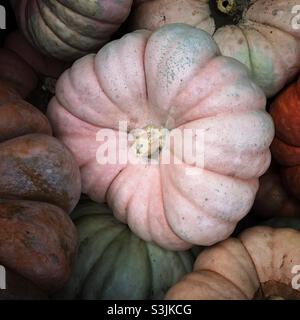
[
  {"x": 226, "y": 12},
  {"x": 227, "y": 6},
  {"x": 148, "y": 141}
]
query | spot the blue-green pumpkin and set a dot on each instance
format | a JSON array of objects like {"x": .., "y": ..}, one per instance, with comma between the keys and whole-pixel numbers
[{"x": 113, "y": 263}]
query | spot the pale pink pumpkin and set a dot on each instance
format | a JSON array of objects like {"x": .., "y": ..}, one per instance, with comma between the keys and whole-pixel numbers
[
  {"x": 173, "y": 78},
  {"x": 68, "y": 29}
]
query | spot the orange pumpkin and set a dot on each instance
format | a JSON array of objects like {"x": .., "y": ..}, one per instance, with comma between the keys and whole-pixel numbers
[{"x": 285, "y": 111}]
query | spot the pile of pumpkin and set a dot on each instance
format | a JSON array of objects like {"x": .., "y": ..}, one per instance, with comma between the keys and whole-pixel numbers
[{"x": 76, "y": 226}]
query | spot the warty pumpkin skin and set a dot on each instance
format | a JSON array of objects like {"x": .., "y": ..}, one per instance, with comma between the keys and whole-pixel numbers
[
  {"x": 286, "y": 145},
  {"x": 258, "y": 33},
  {"x": 68, "y": 29},
  {"x": 257, "y": 265},
  {"x": 40, "y": 184},
  {"x": 113, "y": 263},
  {"x": 173, "y": 78}
]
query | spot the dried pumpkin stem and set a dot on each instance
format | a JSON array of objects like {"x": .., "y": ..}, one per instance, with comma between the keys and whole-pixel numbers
[
  {"x": 148, "y": 141},
  {"x": 227, "y": 6}
]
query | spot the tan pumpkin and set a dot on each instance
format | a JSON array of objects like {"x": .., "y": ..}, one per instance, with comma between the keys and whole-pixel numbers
[{"x": 261, "y": 264}]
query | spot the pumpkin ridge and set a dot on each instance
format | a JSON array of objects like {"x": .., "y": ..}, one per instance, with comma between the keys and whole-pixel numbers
[
  {"x": 114, "y": 241},
  {"x": 225, "y": 278},
  {"x": 209, "y": 94},
  {"x": 254, "y": 265},
  {"x": 93, "y": 238},
  {"x": 241, "y": 265},
  {"x": 86, "y": 16},
  {"x": 64, "y": 41},
  {"x": 164, "y": 206},
  {"x": 33, "y": 31},
  {"x": 193, "y": 200},
  {"x": 79, "y": 32},
  {"x": 265, "y": 23},
  {"x": 101, "y": 86},
  {"x": 78, "y": 292},
  {"x": 106, "y": 196},
  {"x": 130, "y": 200},
  {"x": 274, "y": 48},
  {"x": 250, "y": 58}
]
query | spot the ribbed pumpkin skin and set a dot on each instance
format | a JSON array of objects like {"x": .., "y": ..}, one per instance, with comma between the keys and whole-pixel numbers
[
  {"x": 285, "y": 148},
  {"x": 115, "y": 264},
  {"x": 68, "y": 29},
  {"x": 257, "y": 265},
  {"x": 264, "y": 39},
  {"x": 174, "y": 78},
  {"x": 39, "y": 185}
]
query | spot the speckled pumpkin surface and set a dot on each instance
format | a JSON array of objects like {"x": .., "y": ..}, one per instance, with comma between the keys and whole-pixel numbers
[{"x": 174, "y": 78}]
